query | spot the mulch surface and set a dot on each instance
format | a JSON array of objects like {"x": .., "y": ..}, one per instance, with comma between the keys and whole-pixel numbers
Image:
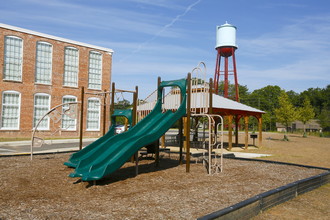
[{"x": 41, "y": 188}]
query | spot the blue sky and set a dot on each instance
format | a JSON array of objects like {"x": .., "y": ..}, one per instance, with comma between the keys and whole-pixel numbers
[{"x": 280, "y": 42}]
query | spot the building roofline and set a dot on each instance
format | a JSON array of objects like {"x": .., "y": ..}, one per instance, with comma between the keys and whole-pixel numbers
[{"x": 6, "y": 26}]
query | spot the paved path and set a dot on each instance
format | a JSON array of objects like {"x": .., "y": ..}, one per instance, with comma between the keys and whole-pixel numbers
[
  {"x": 68, "y": 145},
  {"x": 52, "y": 146}
]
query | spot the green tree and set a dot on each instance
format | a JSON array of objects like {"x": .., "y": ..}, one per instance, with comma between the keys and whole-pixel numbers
[
  {"x": 286, "y": 113},
  {"x": 324, "y": 118},
  {"x": 306, "y": 113},
  {"x": 295, "y": 98},
  {"x": 242, "y": 91},
  {"x": 316, "y": 97},
  {"x": 265, "y": 99}
]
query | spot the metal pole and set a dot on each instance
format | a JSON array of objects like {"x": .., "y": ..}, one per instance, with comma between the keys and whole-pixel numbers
[
  {"x": 235, "y": 75},
  {"x": 82, "y": 97},
  {"x": 217, "y": 73},
  {"x": 211, "y": 97},
  {"x": 226, "y": 79}
]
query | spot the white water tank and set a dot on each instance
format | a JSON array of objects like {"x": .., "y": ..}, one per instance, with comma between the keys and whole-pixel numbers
[{"x": 226, "y": 36}]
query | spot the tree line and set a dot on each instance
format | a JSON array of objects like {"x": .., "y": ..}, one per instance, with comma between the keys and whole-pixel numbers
[{"x": 287, "y": 106}]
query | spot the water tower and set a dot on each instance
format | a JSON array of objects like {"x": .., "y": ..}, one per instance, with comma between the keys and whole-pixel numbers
[{"x": 225, "y": 46}]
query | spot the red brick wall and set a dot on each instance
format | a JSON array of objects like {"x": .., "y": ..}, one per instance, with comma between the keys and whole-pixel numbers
[{"x": 28, "y": 88}]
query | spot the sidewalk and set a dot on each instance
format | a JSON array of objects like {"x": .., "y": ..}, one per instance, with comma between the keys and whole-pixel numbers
[{"x": 12, "y": 148}]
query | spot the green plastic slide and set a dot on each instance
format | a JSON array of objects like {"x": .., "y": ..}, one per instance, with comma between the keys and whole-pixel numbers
[
  {"x": 86, "y": 151},
  {"x": 112, "y": 152}
]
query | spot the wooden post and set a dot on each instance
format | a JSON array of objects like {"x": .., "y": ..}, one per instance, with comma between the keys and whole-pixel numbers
[
  {"x": 185, "y": 134},
  {"x": 188, "y": 124},
  {"x": 134, "y": 121},
  {"x": 260, "y": 131},
  {"x": 157, "y": 145},
  {"x": 135, "y": 103},
  {"x": 246, "y": 125},
  {"x": 230, "y": 132},
  {"x": 163, "y": 141},
  {"x": 112, "y": 105},
  {"x": 136, "y": 155},
  {"x": 236, "y": 129},
  {"x": 104, "y": 112},
  {"x": 82, "y": 97}
]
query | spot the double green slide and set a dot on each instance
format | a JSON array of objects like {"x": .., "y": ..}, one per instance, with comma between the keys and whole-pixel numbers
[{"x": 110, "y": 152}]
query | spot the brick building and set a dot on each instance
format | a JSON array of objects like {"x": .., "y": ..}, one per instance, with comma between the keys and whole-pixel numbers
[{"x": 40, "y": 71}]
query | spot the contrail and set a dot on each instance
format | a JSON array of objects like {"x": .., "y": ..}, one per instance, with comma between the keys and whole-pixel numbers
[{"x": 141, "y": 46}]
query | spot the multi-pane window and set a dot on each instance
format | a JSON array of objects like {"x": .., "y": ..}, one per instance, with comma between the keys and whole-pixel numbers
[
  {"x": 93, "y": 114},
  {"x": 11, "y": 101},
  {"x": 41, "y": 107},
  {"x": 12, "y": 68},
  {"x": 43, "y": 70},
  {"x": 68, "y": 123},
  {"x": 71, "y": 62},
  {"x": 95, "y": 70}
]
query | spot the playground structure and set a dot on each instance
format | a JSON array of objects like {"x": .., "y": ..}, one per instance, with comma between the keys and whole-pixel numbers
[
  {"x": 109, "y": 153},
  {"x": 190, "y": 99},
  {"x": 94, "y": 163}
]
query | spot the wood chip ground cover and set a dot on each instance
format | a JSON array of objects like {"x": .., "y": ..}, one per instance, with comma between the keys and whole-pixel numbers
[{"x": 41, "y": 189}]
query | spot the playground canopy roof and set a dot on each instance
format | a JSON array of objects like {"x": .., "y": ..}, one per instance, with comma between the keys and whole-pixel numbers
[
  {"x": 199, "y": 101},
  {"x": 228, "y": 106}
]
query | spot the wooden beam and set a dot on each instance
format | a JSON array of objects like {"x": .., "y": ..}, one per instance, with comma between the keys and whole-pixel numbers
[{"x": 188, "y": 124}]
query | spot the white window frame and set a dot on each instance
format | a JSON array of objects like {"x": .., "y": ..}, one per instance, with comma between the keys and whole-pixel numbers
[
  {"x": 91, "y": 111},
  {"x": 65, "y": 117},
  {"x": 44, "y": 68},
  {"x": 35, "y": 120},
  {"x": 94, "y": 70},
  {"x": 71, "y": 68},
  {"x": 17, "y": 127},
  {"x": 10, "y": 60}
]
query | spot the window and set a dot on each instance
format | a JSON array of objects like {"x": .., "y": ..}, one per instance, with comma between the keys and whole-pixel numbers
[
  {"x": 43, "y": 72},
  {"x": 41, "y": 107},
  {"x": 93, "y": 114},
  {"x": 10, "y": 116},
  {"x": 95, "y": 70},
  {"x": 68, "y": 123},
  {"x": 12, "y": 68},
  {"x": 71, "y": 63}
]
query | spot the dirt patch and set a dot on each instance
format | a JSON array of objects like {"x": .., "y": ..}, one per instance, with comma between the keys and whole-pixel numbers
[{"x": 41, "y": 189}]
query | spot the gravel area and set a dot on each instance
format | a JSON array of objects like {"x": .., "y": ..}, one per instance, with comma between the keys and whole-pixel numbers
[{"x": 41, "y": 188}]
